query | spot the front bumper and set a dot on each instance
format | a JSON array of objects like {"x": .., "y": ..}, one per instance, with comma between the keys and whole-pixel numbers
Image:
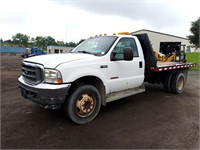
[{"x": 49, "y": 96}]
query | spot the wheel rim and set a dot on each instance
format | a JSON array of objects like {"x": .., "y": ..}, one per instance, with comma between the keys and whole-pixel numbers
[
  {"x": 85, "y": 105},
  {"x": 180, "y": 84}
]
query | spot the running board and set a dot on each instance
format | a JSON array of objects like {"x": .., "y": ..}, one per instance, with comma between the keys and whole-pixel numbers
[{"x": 122, "y": 94}]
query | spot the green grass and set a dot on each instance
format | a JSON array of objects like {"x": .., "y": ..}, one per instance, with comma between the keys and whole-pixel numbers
[{"x": 194, "y": 57}]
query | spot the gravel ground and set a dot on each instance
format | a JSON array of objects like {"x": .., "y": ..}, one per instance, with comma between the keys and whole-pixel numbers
[{"x": 151, "y": 120}]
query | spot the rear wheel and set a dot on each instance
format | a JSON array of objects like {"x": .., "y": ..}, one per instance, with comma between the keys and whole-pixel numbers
[
  {"x": 83, "y": 105},
  {"x": 167, "y": 82},
  {"x": 177, "y": 83}
]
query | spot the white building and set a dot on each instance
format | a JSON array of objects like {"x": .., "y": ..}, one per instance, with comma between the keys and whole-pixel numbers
[
  {"x": 162, "y": 41},
  {"x": 58, "y": 49}
]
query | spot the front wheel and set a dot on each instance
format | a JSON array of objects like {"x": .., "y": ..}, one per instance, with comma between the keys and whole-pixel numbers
[{"x": 83, "y": 104}]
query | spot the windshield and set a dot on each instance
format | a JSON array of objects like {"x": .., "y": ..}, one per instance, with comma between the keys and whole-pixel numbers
[{"x": 96, "y": 46}]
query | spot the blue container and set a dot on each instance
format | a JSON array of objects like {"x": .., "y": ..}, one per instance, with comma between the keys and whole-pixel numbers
[{"x": 11, "y": 49}]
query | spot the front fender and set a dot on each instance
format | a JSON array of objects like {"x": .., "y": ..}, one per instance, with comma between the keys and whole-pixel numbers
[{"x": 71, "y": 76}]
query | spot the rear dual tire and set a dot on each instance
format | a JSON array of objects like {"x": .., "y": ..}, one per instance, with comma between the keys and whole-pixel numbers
[
  {"x": 175, "y": 82},
  {"x": 167, "y": 84}
]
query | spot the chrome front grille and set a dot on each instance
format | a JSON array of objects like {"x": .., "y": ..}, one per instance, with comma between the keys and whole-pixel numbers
[{"x": 32, "y": 74}]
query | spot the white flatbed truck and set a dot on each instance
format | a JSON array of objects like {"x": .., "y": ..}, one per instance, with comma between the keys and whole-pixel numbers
[{"x": 99, "y": 70}]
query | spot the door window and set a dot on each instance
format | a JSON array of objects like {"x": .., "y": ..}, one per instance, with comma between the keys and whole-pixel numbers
[{"x": 125, "y": 42}]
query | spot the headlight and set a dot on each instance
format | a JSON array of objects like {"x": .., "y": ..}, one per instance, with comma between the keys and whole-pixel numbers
[{"x": 52, "y": 76}]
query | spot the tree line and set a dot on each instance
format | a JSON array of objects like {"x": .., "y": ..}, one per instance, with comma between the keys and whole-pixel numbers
[{"x": 23, "y": 40}]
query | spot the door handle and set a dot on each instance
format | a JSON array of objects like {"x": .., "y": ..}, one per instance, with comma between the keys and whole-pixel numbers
[{"x": 140, "y": 64}]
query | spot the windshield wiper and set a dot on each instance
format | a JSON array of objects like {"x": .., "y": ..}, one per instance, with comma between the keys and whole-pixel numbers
[{"x": 85, "y": 52}]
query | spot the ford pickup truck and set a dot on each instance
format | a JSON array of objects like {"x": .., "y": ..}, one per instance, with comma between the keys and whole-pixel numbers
[{"x": 99, "y": 70}]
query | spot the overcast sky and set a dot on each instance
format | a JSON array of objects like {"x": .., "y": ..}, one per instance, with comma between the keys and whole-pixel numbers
[{"x": 73, "y": 20}]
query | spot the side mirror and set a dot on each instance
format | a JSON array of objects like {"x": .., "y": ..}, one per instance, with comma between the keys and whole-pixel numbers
[
  {"x": 112, "y": 56},
  {"x": 128, "y": 53}
]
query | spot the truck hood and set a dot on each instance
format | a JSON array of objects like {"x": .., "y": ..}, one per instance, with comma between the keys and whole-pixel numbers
[{"x": 53, "y": 60}]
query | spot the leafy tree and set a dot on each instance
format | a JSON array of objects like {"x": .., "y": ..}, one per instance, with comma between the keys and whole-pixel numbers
[
  {"x": 70, "y": 44},
  {"x": 7, "y": 43},
  {"x": 43, "y": 42},
  {"x": 194, "y": 38},
  {"x": 39, "y": 42},
  {"x": 31, "y": 42},
  {"x": 50, "y": 41},
  {"x": 60, "y": 43},
  {"x": 20, "y": 39}
]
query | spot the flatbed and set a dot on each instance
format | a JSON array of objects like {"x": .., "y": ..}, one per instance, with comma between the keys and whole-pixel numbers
[{"x": 163, "y": 66}]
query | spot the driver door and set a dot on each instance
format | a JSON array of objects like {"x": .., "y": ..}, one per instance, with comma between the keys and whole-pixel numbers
[{"x": 126, "y": 74}]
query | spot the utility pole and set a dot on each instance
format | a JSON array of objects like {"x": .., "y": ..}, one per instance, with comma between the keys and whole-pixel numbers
[{"x": 66, "y": 33}]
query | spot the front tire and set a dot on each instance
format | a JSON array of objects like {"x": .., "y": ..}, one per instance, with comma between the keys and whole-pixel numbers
[{"x": 83, "y": 104}]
